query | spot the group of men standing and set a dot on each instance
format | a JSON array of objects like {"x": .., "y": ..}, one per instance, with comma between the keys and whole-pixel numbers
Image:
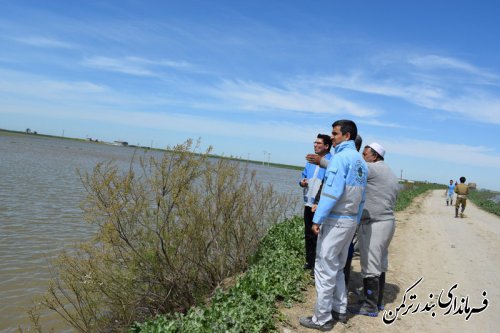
[{"x": 357, "y": 192}]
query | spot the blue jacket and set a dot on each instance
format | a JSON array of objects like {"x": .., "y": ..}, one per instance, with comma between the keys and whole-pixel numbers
[
  {"x": 309, "y": 174},
  {"x": 343, "y": 194},
  {"x": 451, "y": 189}
]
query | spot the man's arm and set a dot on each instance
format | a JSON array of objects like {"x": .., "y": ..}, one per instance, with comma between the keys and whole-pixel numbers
[
  {"x": 333, "y": 189},
  {"x": 317, "y": 160}
]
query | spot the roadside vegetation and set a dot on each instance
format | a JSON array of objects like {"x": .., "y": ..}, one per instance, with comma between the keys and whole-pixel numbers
[
  {"x": 411, "y": 190},
  {"x": 275, "y": 275},
  {"x": 486, "y": 200}
]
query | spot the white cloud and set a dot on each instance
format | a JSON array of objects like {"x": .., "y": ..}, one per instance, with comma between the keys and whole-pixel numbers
[
  {"x": 472, "y": 100},
  {"x": 432, "y": 150},
  {"x": 136, "y": 65},
  {"x": 118, "y": 65},
  {"x": 170, "y": 121},
  {"x": 436, "y": 62},
  {"x": 254, "y": 96},
  {"x": 88, "y": 94},
  {"x": 379, "y": 123},
  {"x": 45, "y": 42},
  {"x": 33, "y": 86}
]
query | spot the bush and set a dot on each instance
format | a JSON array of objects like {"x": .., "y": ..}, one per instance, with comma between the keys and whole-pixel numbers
[
  {"x": 249, "y": 306},
  {"x": 168, "y": 234}
]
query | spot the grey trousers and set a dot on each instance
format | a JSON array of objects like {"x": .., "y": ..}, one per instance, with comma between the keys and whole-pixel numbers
[
  {"x": 331, "y": 254},
  {"x": 374, "y": 239}
]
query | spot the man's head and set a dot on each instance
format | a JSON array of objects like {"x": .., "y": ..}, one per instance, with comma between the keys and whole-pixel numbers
[
  {"x": 322, "y": 144},
  {"x": 451, "y": 181},
  {"x": 462, "y": 180},
  {"x": 358, "y": 142},
  {"x": 343, "y": 130},
  {"x": 373, "y": 152}
]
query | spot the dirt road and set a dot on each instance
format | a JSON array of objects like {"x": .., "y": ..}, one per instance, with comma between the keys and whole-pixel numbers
[{"x": 432, "y": 244}]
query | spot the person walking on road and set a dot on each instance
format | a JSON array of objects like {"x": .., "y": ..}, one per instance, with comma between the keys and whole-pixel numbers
[
  {"x": 450, "y": 192},
  {"x": 462, "y": 190}
]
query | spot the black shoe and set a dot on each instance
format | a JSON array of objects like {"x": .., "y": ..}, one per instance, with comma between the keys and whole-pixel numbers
[
  {"x": 307, "y": 322},
  {"x": 340, "y": 317}
]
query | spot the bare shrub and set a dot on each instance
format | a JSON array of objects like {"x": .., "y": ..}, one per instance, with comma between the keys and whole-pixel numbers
[{"x": 168, "y": 234}]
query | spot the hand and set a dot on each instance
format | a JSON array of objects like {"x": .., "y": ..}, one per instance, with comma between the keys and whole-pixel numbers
[
  {"x": 313, "y": 158},
  {"x": 313, "y": 208},
  {"x": 315, "y": 229},
  {"x": 303, "y": 182}
]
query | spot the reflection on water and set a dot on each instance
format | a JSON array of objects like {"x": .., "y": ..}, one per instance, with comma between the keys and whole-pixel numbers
[{"x": 40, "y": 194}]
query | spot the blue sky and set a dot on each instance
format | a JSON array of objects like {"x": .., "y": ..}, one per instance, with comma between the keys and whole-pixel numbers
[{"x": 259, "y": 79}]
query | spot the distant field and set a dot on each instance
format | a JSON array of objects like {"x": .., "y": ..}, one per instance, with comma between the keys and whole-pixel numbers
[
  {"x": 15, "y": 133},
  {"x": 487, "y": 200},
  {"x": 411, "y": 190}
]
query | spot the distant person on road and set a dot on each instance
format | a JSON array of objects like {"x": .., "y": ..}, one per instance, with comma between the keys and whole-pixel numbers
[
  {"x": 376, "y": 229},
  {"x": 462, "y": 190},
  {"x": 450, "y": 192},
  {"x": 335, "y": 222},
  {"x": 312, "y": 176}
]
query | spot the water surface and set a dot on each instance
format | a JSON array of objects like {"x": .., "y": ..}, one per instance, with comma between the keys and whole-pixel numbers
[{"x": 40, "y": 194}]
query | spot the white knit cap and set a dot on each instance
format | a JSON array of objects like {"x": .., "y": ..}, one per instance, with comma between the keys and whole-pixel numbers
[{"x": 378, "y": 148}]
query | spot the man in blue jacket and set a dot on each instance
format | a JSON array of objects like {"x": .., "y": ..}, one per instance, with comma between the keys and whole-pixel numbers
[
  {"x": 312, "y": 176},
  {"x": 450, "y": 192},
  {"x": 335, "y": 221}
]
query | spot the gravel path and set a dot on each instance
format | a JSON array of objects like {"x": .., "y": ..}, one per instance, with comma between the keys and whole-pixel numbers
[{"x": 430, "y": 243}]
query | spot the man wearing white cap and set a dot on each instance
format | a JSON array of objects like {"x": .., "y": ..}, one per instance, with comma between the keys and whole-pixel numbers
[{"x": 376, "y": 228}]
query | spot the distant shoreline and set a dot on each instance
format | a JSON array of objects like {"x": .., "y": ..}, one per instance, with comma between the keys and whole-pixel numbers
[{"x": 276, "y": 165}]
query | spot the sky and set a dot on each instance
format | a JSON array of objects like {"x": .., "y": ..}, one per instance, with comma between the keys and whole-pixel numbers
[{"x": 260, "y": 79}]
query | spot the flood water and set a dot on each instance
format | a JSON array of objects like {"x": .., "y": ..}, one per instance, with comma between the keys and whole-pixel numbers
[{"x": 40, "y": 194}]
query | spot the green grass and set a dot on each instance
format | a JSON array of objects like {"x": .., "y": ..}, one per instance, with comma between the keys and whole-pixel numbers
[
  {"x": 275, "y": 274},
  {"x": 411, "y": 190},
  {"x": 483, "y": 199}
]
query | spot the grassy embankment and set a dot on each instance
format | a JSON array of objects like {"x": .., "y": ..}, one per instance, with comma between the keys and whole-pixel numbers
[
  {"x": 275, "y": 275},
  {"x": 484, "y": 199}
]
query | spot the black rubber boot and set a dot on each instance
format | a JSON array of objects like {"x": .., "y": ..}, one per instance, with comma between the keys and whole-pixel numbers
[
  {"x": 456, "y": 211},
  {"x": 369, "y": 306},
  {"x": 446, "y": 202},
  {"x": 381, "y": 287}
]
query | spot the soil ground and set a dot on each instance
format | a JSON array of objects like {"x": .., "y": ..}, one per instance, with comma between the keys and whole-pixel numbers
[{"x": 431, "y": 243}]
